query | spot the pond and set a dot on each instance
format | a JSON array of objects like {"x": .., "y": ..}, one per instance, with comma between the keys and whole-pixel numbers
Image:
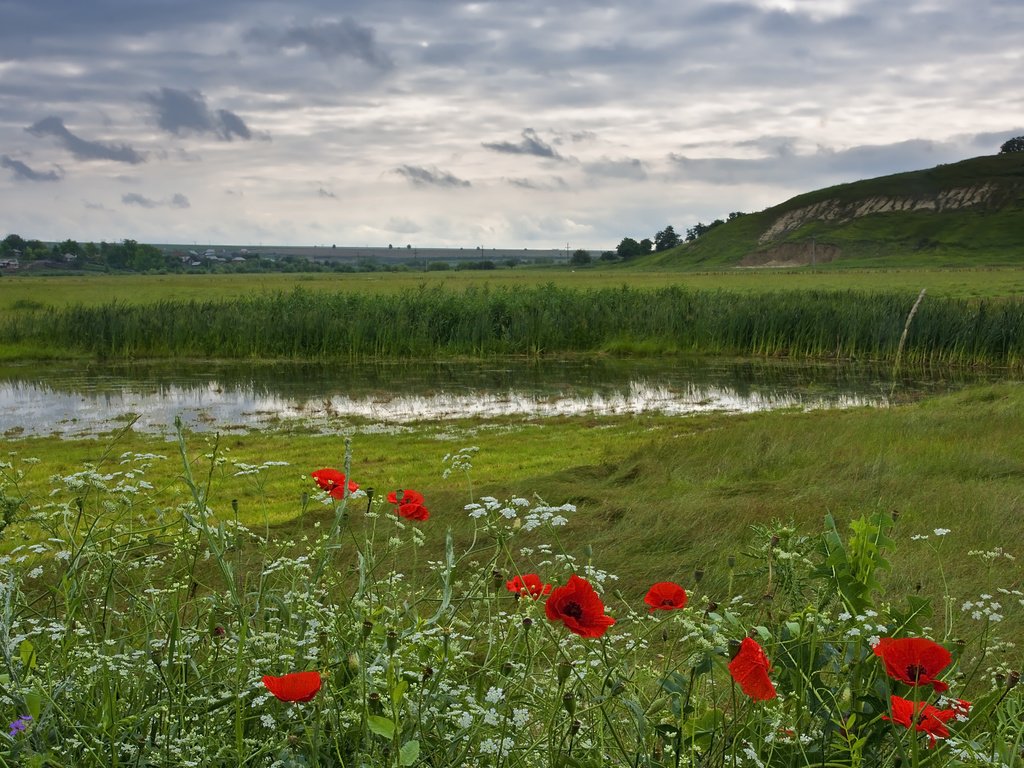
[{"x": 91, "y": 398}]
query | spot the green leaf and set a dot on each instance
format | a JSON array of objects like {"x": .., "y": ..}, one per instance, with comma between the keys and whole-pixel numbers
[
  {"x": 398, "y": 692},
  {"x": 34, "y": 704},
  {"x": 28, "y": 654},
  {"x": 381, "y": 726},
  {"x": 409, "y": 752}
]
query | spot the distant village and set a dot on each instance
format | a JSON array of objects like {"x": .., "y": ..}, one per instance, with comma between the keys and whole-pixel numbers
[{"x": 21, "y": 256}]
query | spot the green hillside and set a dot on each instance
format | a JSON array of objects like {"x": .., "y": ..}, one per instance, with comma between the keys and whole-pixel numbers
[{"x": 969, "y": 213}]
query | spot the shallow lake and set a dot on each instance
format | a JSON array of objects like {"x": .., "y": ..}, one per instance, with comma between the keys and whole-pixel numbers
[{"x": 96, "y": 398}]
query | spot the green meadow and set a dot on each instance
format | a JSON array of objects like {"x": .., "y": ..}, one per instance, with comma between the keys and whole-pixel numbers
[
  {"x": 22, "y": 292},
  {"x": 161, "y": 595}
]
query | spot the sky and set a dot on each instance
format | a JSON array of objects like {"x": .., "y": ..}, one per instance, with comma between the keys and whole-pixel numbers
[{"x": 503, "y": 124}]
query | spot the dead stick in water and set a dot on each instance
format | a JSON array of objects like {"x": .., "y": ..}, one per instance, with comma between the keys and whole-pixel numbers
[{"x": 903, "y": 338}]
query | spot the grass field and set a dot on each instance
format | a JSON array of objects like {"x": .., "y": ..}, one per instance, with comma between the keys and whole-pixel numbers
[
  {"x": 21, "y": 292},
  {"x": 657, "y": 493}
]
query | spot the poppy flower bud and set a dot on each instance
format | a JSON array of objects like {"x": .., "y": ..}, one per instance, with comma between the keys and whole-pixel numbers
[
  {"x": 960, "y": 643},
  {"x": 304, "y": 499},
  {"x": 734, "y": 648},
  {"x": 569, "y": 702},
  {"x": 773, "y": 542},
  {"x": 1000, "y": 678},
  {"x": 506, "y": 668},
  {"x": 527, "y": 623},
  {"x": 712, "y": 607},
  {"x": 392, "y": 641},
  {"x": 588, "y": 551},
  {"x": 367, "y": 628},
  {"x": 895, "y": 514},
  {"x": 428, "y": 672},
  {"x": 234, "y": 505},
  {"x": 293, "y": 740},
  {"x": 498, "y": 579},
  {"x": 353, "y": 662},
  {"x": 564, "y": 668},
  {"x": 219, "y": 631},
  {"x": 374, "y": 699},
  {"x": 698, "y": 574},
  {"x": 731, "y": 561},
  {"x": 575, "y": 727},
  {"x": 1013, "y": 679},
  {"x": 617, "y": 687}
]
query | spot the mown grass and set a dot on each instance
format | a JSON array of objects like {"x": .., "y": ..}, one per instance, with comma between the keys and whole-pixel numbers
[
  {"x": 437, "y": 323},
  {"x": 663, "y": 497}
]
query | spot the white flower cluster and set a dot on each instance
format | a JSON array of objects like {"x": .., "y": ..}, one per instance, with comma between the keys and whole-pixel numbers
[
  {"x": 489, "y": 504},
  {"x": 983, "y": 608}
]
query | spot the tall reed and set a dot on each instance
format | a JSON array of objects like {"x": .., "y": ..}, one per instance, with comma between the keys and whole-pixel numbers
[{"x": 437, "y": 322}]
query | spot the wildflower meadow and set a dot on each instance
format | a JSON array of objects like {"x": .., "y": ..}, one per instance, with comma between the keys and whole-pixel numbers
[{"x": 140, "y": 626}]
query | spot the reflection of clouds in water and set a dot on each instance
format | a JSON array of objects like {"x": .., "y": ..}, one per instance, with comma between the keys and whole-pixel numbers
[
  {"x": 39, "y": 409},
  {"x": 639, "y": 398}
]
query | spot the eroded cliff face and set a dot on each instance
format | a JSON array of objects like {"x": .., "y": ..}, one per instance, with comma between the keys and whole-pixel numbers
[{"x": 839, "y": 212}]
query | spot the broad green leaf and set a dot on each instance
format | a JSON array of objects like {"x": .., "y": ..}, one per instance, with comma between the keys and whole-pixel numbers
[
  {"x": 28, "y": 654},
  {"x": 381, "y": 726},
  {"x": 409, "y": 752}
]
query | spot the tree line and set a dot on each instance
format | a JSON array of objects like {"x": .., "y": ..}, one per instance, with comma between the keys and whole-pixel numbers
[{"x": 667, "y": 238}]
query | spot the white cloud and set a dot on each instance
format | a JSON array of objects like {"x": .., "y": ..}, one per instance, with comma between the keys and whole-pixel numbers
[{"x": 527, "y": 123}]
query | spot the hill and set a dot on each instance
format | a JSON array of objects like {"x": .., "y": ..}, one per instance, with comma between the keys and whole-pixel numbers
[{"x": 969, "y": 213}]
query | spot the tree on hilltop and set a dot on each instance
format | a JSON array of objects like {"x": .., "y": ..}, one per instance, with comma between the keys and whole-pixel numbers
[
  {"x": 666, "y": 238},
  {"x": 1015, "y": 144}
]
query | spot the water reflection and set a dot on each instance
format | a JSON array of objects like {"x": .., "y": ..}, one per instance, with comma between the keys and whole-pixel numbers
[{"x": 99, "y": 398}]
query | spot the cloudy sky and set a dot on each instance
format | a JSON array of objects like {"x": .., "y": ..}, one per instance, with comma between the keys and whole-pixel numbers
[{"x": 510, "y": 123}]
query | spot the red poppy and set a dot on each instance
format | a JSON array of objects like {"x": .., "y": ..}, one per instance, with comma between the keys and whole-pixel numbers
[
  {"x": 295, "y": 686},
  {"x": 922, "y": 716},
  {"x": 665, "y": 596},
  {"x": 914, "y": 660},
  {"x": 333, "y": 481},
  {"x": 409, "y": 504},
  {"x": 528, "y": 584},
  {"x": 750, "y": 669},
  {"x": 579, "y": 607}
]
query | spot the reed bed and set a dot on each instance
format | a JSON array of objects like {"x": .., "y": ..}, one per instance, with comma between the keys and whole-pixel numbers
[{"x": 433, "y": 322}]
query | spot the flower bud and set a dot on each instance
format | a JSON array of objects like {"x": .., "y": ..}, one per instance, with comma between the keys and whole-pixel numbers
[
  {"x": 234, "y": 505},
  {"x": 506, "y": 668},
  {"x": 1013, "y": 679},
  {"x": 527, "y": 623},
  {"x": 293, "y": 740},
  {"x": 575, "y": 727},
  {"x": 569, "y": 702},
  {"x": 498, "y": 579},
  {"x": 367, "y": 628},
  {"x": 375, "y": 705},
  {"x": 731, "y": 561},
  {"x": 698, "y": 574},
  {"x": 564, "y": 669},
  {"x": 392, "y": 641},
  {"x": 428, "y": 672}
]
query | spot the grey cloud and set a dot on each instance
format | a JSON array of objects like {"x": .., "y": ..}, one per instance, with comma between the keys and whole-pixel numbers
[
  {"x": 177, "y": 200},
  {"x": 181, "y": 112},
  {"x": 554, "y": 184},
  {"x": 23, "y": 173},
  {"x": 401, "y": 224},
  {"x": 330, "y": 39},
  {"x": 786, "y": 166},
  {"x": 531, "y": 144},
  {"x": 134, "y": 198},
  {"x": 324, "y": 193},
  {"x": 82, "y": 149},
  {"x": 627, "y": 168},
  {"x": 423, "y": 177}
]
